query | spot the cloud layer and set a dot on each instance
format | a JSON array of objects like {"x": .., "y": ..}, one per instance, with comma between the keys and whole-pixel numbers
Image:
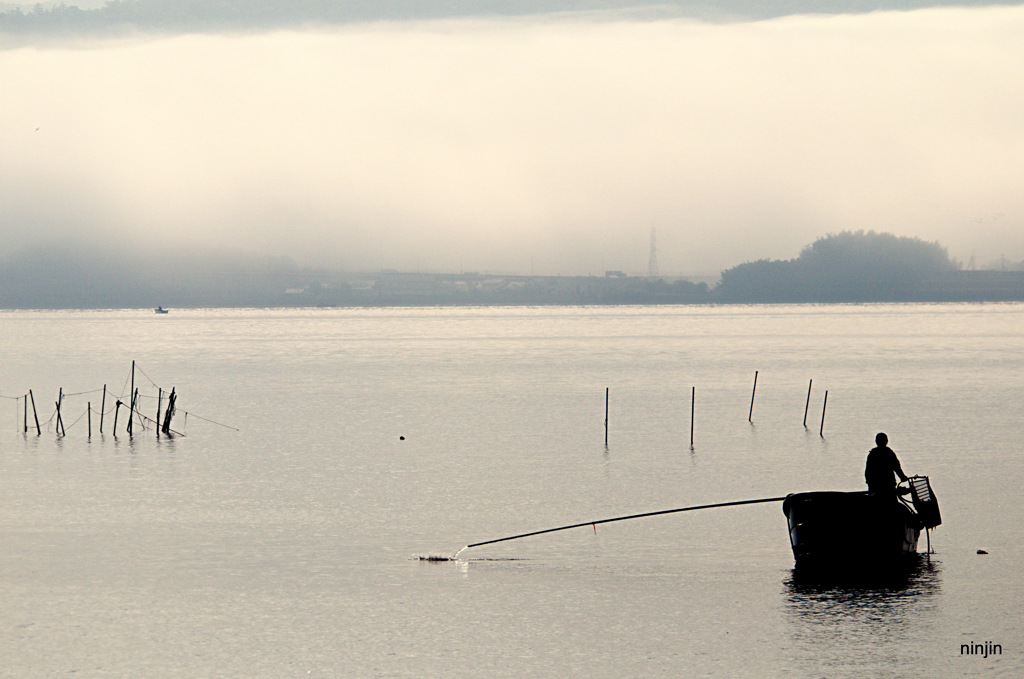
[{"x": 549, "y": 145}]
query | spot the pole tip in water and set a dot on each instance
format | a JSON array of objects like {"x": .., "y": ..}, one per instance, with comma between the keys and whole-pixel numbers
[{"x": 441, "y": 557}]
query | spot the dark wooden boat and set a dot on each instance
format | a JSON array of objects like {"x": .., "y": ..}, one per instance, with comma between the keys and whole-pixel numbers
[{"x": 857, "y": 531}]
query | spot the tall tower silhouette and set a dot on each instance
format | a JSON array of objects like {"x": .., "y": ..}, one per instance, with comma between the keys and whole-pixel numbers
[{"x": 652, "y": 262}]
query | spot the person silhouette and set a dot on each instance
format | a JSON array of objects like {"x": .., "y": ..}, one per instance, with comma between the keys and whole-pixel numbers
[{"x": 881, "y": 465}]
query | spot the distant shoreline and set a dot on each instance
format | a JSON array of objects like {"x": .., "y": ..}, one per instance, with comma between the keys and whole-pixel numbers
[{"x": 323, "y": 289}]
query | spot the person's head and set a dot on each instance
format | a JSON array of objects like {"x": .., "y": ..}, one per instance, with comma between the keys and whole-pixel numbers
[{"x": 881, "y": 439}]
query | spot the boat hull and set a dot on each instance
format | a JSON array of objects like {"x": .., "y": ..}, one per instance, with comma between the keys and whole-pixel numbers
[{"x": 850, "y": 531}]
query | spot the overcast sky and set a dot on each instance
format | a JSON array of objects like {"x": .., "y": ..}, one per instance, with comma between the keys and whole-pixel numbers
[{"x": 547, "y": 145}]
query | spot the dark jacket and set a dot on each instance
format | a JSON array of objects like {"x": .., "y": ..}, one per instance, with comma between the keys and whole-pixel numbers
[{"x": 881, "y": 465}]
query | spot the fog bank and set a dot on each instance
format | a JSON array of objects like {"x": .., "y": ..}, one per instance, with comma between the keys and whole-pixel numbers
[{"x": 547, "y": 145}]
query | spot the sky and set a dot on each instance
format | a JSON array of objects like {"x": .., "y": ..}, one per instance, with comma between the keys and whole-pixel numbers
[{"x": 547, "y": 145}]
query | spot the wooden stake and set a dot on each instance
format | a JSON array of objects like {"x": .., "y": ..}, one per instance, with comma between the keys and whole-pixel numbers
[
  {"x": 60, "y": 423},
  {"x": 750, "y": 417},
  {"x": 88, "y": 410},
  {"x": 821, "y": 432},
  {"x": 39, "y": 432},
  {"x": 170, "y": 412},
  {"x": 103, "y": 406},
  {"x": 606, "y": 389},
  {"x": 159, "y": 403},
  {"x": 26, "y": 413},
  {"x": 808, "y": 404},
  {"x": 117, "y": 409},
  {"x": 693, "y": 398},
  {"x": 134, "y": 408},
  {"x": 131, "y": 394}
]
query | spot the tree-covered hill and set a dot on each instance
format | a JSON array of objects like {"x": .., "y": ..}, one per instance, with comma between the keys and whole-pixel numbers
[{"x": 846, "y": 267}]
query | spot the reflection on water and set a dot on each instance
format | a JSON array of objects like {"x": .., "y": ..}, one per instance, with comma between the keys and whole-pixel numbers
[
  {"x": 919, "y": 577},
  {"x": 861, "y": 613}
]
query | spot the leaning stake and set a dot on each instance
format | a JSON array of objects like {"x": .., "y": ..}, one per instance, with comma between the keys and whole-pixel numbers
[
  {"x": 624, "y": 518},
  {"x": 821, "y": 431},
  {"x": 39, "y": 432},
  {"x": 171, "y": 400},
  {"x": 60, "y": 423},
  {"x": 808, "y": 404},
  {"x": 750, "y": 417}
]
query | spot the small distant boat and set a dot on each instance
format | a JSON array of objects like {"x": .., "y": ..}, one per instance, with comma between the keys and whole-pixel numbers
[
  {"x": 854, "y": 532},
  {"x": 160, "y": 310}
]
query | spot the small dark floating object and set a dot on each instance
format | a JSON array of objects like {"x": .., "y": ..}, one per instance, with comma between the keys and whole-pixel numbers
[
  {"x": 847, "y": 532},
  {"x": 982, "y": 551},
  {"x": 401, "y": 438}
]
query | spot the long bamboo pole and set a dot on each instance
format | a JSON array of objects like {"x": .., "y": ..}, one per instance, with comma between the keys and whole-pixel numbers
[{"x": 624, "y": 518}]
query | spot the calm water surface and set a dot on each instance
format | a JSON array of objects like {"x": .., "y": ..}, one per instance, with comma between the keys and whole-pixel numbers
[{"x": 289, "y": 547}]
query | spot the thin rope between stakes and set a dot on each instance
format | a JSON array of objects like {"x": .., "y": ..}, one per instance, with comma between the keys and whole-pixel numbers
[
  {"x": 178, "y": 433},
  {"x": 226, "y": 426},
  {"x": 124, "y": 386},
  {"x": 71, "y": 426},
  {"x": 146, "y": 376},
  {"x": 81, "y": 393}
]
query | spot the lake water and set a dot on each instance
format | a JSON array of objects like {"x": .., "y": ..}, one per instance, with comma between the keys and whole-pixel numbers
[{"x": 289, "y": 548}]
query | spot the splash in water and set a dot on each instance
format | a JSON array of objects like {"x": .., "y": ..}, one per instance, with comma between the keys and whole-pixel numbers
[{"x": 441, "y": 557}]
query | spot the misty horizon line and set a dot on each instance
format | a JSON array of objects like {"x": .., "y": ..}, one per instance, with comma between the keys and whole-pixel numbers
[
  {"x": 77, "y": 255},
  {"x": 858, "y": 267},
  {"x": 122, "y": 17}
]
